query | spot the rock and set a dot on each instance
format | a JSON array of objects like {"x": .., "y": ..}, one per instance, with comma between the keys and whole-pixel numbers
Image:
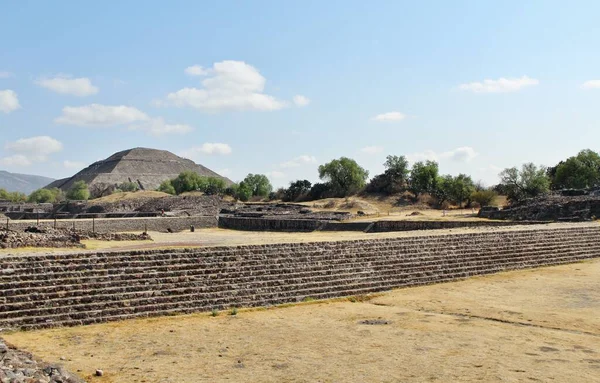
[{"x": 99, "y": 373}]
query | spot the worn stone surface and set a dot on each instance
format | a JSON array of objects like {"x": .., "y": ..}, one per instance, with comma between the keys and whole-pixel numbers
[
  {"x": 550, "y": 208},
  {"x": 45, "y": 290},
  {"x": 116, "y": 225},
  {"x": 21, "y": 367}
]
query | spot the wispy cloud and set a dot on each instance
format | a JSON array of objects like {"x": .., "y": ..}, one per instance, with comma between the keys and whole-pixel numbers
[
  {"x": 9, "y": 101},
  {"x": 501, "y": 85},
  {"x": 591, "y": 84},
  {"x": 389, "y": 117},
  {"x": 61, "y": 84}
]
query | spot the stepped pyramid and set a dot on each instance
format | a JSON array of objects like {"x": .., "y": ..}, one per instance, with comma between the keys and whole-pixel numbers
[{"x": 146, "y": 167}]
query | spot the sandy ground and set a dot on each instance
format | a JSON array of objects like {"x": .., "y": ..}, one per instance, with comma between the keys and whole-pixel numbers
[{"x": 527, "y": 326}]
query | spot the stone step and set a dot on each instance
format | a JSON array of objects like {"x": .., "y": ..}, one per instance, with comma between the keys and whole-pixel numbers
[
  {"x": 101, "y": 270},
  {"x": 103, "y": 300},
  {"x": 429, "y": 240},
  {"x": 218, "y": 273},
  {"x": 197, "y": 270},
  {"x": 181, "y": 305}
]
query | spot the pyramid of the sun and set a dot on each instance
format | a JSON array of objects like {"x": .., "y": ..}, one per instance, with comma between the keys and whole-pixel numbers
[{"x": 146, "y": 167}]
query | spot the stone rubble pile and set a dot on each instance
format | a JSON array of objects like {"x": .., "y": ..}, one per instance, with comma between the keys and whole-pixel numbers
[
  {"x": 20, "y": 367},
  {"x": 49, "y": 237}
]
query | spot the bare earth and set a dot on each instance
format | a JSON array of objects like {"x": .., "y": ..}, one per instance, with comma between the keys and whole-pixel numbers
[{"x": 526, "y": 326}]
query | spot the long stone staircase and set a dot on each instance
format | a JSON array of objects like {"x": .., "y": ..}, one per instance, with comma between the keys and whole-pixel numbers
[{"x": 46, "y": 290}]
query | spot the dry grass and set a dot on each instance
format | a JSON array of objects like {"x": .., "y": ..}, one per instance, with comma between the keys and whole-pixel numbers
[
  {"x": 528, "y": 326},
  {"x": 116, "y": 197}
]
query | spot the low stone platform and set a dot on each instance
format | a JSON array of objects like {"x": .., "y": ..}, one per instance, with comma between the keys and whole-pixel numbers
[{"x": 46, "y": 290}]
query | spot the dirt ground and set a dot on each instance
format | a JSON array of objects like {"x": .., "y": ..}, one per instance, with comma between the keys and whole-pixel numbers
[{"x": 527, "y": 326}]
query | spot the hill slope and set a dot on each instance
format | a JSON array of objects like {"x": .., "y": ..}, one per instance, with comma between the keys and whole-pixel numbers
[{"x": 24, "y": 183}]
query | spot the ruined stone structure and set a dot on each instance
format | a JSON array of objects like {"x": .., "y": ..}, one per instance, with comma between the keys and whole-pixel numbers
[
  {"x": 307, "y": 225},
  {"x": 45, "y": 290},
  {"x": 146, "y": 167}
]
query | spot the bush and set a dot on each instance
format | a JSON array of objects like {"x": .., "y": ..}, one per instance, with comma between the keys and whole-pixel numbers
[
  {"x": 483, "y": 197},
  {"x": 46, "y": 196},
  {"x": 319, "y": 191},
  {"x": 297, "y": 191},
  {"x": 79, "y": 191},
  {"x": 167, "y": 187},
  {"x": 128, "y": 187}
]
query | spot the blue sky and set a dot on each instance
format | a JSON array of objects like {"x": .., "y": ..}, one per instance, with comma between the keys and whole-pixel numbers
[{"x": 279, "y": 87}]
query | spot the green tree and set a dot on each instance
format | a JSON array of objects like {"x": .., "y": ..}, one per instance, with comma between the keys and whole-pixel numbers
[
  {"x": 528, "y": 182},
  {"x": 12, "y": 196},
  {"x": 45, "y": 195},
  {"x": 461, "y": 188},
  {"x": 297, "y": 189},
  {"x": 258, "y": 184},
  {"x": 187, "y": 181},
  {"x": 484, "y": 197},
  {"x": 167, "y": 187},
  {"x": 79, "y": 191},
  {"x": 394, "y": 179},
  {"x": 243, "y": 192},
  {"x": 577, "y": 172},
  {"x": 424, "y": 177},
  {"x": 214, "y": 186},
  {"x": 344, "y": 176}
]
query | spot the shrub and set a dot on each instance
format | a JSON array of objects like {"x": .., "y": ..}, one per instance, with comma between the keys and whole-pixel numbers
[
  {"x": 128, "y": 186},
  {"x": 79, "y": 191},
  {"x": 484, "y": 197}
]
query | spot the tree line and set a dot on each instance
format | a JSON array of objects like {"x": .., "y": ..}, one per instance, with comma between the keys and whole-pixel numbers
[{"x": 343, "y": 177}]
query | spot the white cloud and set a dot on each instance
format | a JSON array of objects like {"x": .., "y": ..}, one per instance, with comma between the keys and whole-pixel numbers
[
  {"x": 462, "y": 154},
  {"x": 298, "y": 161},
  {"x": 30, "y": 150},
  {"x": 100, "y": 115},
  {"x": 501, "y": 85},
  {"x": 389, "y": 117},
  {"x": 73, "y": 164},
  {"x": 301, "y": 101},
  {"x": 230, "y": 85},
  {"x": 591, "y": 84},
  {"x": 8, "y": 101},
  {"x": 158, "y": 127},
  {"x": 15, "y": 160},
  {"x": 275, "y": 174},
  {"x": 196, "y": 70},
  {"x": 208, "y": 148},
  {"x": 372, "y": 149},
  {"x": 66, "y": 85},
  {"x": 4, "y": 74}
]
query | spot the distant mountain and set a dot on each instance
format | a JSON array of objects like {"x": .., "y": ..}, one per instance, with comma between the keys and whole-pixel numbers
[{"x": 23, "y": 183}]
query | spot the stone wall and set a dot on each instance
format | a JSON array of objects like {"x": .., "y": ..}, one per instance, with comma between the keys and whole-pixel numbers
[
  {"x": 44, "y": 290},
  {"x": 305, "y": 225},
  {"x": 114, "y": 225},
  {"x": 269, "y": 224}
]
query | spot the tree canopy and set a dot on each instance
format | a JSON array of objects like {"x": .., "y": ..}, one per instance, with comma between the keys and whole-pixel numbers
[
  {"x": 528, "y": 182},
  {"x": 577, "y": 172},
  {"x": 79, "y": 191},
  {"x": 424, "y": 177},
  {"x": 45, "y": 196},
  {"x": 344, "y": 176},
  {"x": 259, "y": 185}
]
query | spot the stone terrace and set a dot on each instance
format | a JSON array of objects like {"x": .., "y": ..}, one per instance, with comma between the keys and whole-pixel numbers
[{"x": 45, "y": 290}]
